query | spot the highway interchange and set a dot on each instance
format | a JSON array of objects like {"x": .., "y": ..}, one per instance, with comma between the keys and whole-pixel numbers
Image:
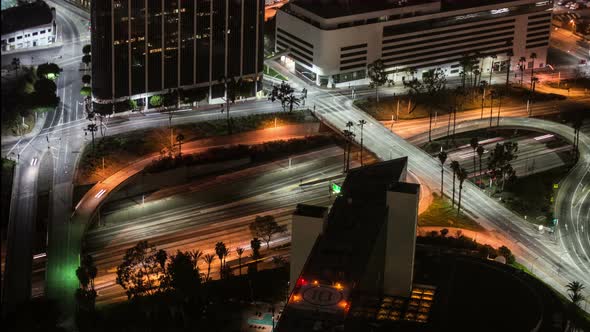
[{"x": 61, "y": 139}]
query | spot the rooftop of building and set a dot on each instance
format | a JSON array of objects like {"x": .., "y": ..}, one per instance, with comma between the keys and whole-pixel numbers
[
  {"x": 358, "y": 213},
  {"x": 339, "y": 8},
  {"x": 313, "y": 211},
  {"x": 340, "y": 255},
  {"x": 26, "y": 16}
]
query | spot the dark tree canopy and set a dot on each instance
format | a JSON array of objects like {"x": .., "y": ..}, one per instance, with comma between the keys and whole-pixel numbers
[
  {"x": 265, "y": 227},
  {"x": 86, "y": 58},
  {"x": 86, "y": 79},
  {"x": 43, "y": 70},
  {"x": 45, "y": 93},
  {"x": 87, "y": 49},
  {"x": 140, "y": 272},
  {"x": 183, "y": 274}
]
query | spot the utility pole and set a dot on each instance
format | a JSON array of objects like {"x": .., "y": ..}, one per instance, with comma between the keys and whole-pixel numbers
[
  {"x": 491, "y": 106},
  {"x": 170, "y": 127}
]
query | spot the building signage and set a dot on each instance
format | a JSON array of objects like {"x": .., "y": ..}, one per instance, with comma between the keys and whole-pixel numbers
[
  {"x": 322, "y": 296},
  {"x": 464, "y": 17},
  {"x": 499, "y": 11}
]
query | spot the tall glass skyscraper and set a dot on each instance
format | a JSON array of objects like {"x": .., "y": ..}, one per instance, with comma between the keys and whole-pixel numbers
[{"x": 142, "y": 48}]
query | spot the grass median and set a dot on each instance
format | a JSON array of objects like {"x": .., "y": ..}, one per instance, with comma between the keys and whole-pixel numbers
[
  {"x": 441, "y": 213},
  {"x": 414, "y": 107},
  {"x": 112, "y": 153}
]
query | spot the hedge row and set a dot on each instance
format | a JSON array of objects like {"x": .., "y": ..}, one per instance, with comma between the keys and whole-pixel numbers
[{"x": 256, "y": 153}]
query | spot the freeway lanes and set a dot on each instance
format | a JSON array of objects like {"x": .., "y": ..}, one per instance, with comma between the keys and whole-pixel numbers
[
  {"x": 534, "y": 154},
  {"x": 218, "y": 210},
  {"x": 572, "y": 204}
]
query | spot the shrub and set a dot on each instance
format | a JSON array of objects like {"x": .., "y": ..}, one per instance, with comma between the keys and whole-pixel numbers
[{"x": 256, "y": 153}]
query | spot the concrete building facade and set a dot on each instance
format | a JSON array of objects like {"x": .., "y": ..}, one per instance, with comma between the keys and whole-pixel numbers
[
  {"x": 142, "y": 48},
  {"x": 28, "y": 25},
  {"x": 363, "y": 246},
  {"x": 332, "y": 41}
]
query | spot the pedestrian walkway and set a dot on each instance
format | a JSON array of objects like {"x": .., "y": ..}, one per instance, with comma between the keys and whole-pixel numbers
[
  {"x": 33, "y": 49},
  {"x": 7, "y": 139}
]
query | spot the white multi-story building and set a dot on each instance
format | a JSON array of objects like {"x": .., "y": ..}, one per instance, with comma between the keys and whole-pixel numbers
[
  {"x": 28, "y": 25},
  {"x": 332, "y": 41}
]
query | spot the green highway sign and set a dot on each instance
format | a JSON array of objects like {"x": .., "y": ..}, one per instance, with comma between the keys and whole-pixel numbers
[{"x": 335, "y": 188}]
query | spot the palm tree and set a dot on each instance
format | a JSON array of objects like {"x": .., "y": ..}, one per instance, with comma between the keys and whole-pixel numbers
[
  {"x": 442, "y": 156},
  {"x": 455, "y": 167},
  {"x": 221, "y": 251},
  {"x": 208, "y": 258},
  {"x": 349, "y": 136},
  {"x": 493, "y": 94},
  {"x": 574, "y": 290},
  {"x": 362, "y": 123},
  {"x": 466, "y": 63},
  {"x": 461, "y": 175},
  {"x": 292, "y": 100},
  {"x": 231, "y": 88},
  {"x": 476, "y": 74},
  {"x": 240, "y": 252},
  {"x": 535, "y": 80},
  {"x": 477, "y": 55},
  {"x": 474, "y": 143},
  {"x": 196, "y": 255},
  {"x": 480, "y": 151},
  {"x": 521, "y": 63},
  {"x": 509, "y": 54},
  {"x": 533, "y": 57},
  {"x": 179, "y": 139}
]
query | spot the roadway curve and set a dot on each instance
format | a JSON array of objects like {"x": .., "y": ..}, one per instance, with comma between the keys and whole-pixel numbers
[
  {"x": 337, "y": 110},
  {"x": 572, "y": 205}
]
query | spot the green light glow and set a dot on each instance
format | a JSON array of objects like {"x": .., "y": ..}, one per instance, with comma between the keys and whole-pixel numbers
[{"x": 336, "y": 188}]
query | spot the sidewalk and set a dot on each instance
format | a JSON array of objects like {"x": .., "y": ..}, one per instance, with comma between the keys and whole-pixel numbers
[
  {"x": 34, "y": 49},
  {"x": 39, "y": 122}
]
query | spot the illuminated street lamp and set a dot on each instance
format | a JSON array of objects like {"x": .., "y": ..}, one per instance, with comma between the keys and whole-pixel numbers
[{"x": 573, "y": 24}]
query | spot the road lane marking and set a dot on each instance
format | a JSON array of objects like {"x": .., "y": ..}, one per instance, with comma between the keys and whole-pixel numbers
[{"x": 100, "y": 193}]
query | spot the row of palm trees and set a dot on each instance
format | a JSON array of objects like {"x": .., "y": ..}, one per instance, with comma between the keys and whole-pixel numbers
[
  {"x": 460, "y": 173},
  {"x": 468, "y": 68},
  {"x": 349, "y": 135},
  {"x": 221, "y": 253}
]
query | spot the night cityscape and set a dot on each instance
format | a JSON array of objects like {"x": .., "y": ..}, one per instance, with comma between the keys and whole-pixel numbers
[{"x": 295, "y": 165}]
